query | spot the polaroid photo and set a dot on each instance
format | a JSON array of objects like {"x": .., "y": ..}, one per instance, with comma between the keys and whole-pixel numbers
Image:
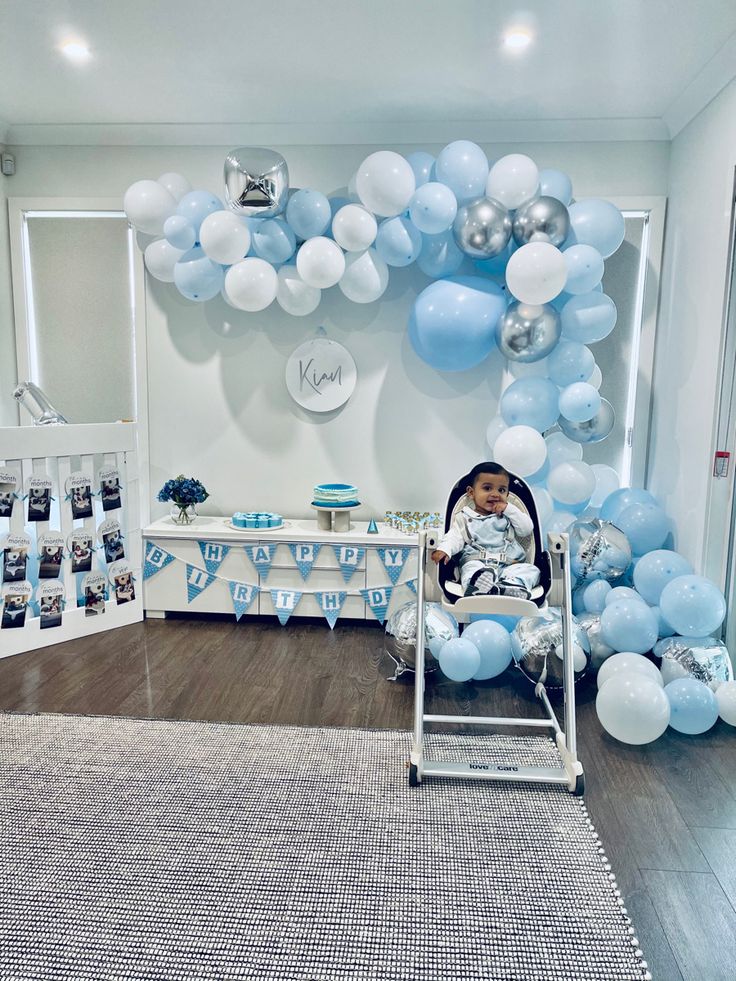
[
  {"x": 15, "y": 563},
  {"x": 81, "y": 552},
  {"x": 51, "y": 610},
  {"x": 113, "y": 544},
  {"x": 94, "y": 587},
  {"x": 50, "y": 558},
  {"x": 7, "y": 499},
  {"x": 110, "y": 490},
  {"x": 14, "y": 611},
  {"x": 39, "y": 499},
  {"x": 81, "y": 498}
]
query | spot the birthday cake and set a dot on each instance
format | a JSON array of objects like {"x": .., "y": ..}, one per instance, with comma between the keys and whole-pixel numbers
[
  {"x": 257, "y": 519},
  {"x": 335, "y": 496}
]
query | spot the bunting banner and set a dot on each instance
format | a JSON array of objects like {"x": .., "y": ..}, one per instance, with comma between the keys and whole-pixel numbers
[
  {"x": 243, "y": 595},
  {"x": 212, "y": 555},
  {"x": 197, "y": 581},
  {"x": 156, "y": 559},
  {"x": 378, "y": 600},
  {"x": 305, "y": 555},
  {"x": 412, "y": 584},
  {"x": 393, "y": 560},
  {"x": 284, "y": 603},
  {"x": 261, "y": 556},
  {"x": 349, "y": 558},
  {"x": 331, "y": 605}
]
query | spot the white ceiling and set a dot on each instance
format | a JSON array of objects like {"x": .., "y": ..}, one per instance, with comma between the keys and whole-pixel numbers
[{"x": 359, "y": 71}]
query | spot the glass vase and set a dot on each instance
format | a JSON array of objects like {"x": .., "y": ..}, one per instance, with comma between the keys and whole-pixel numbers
[{"x": 183, "y": 514}]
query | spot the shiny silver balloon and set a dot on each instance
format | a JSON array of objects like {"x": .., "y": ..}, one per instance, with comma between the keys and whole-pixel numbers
[
  {"x": 599, "y": 652},
  {"x": 482, "y": 228},
  {"x": 401, "y": 635},
  {"x": 536, "y": 644},
  {"x": 256, "y": 182},
  {"x": 598, "y": 550},
  {"x": 595, "y": 429},
  {"x": 528, "y": 333},
  {"x": 543, "y": 219},
  {"x": 703, "y": 658}
]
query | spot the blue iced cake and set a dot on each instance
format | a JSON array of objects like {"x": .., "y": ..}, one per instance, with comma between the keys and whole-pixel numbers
[
  {"x": 257, "y": 519},
  {"x": 335, "y": 496}
]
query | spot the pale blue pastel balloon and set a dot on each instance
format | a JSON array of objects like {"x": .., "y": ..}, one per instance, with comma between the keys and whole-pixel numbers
[
  {"x": 196, "y": 205},
  {"x": 309, "y": 213},
  {"x": 559, "y": 521},
  {"x": 539, "y": 476},
  {"x": 655, "y": 569},
  {"x": 398, "y": 242},
  {"x": 693, "y": 706},
  {"x": 197, "y": 277},
  {"x": 463, "y": 166},
  {"x": 494, "y": 646},
  {"x": 619, "y": 499},
  {"x": 693, "y": 605},
  {"x": 274, "y": 241},
  {"x": 421, "y": 163},
  {"x": 555, "y": 184},
  {"x": 645, "y": 525},
  {"x": 459, "y": 659},
  {"x": 336, "y": 203},
  {"x": 570, "y": 362},
  {"x": 532, "y": 401},
  {"x": 497, "y": 265},
  {"x": 575, "y": 509},
  {"x": 579, "y": 402},
  {"x": 598, "y": 223},
  {"x": 584, "y": 268},
  {"x": 622, "y": 592},
  {"x": 433, "y": 208},
  {"x": 665, "y": 629},
  {"x": 452, "y": 325},
  {"x": 588, "y": 317},
  {"x": 629, "y": 625},
  {"x": 578, "y": 603},
  {"x": 179, "y": 232},
  {"x": 594, "y": 595},
  {"x": 439, "y": 255},
  {"x": 508, "y": 623}
]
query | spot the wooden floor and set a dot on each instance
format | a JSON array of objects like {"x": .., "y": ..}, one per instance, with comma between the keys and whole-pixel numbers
[{"x": 665, "y": 812}]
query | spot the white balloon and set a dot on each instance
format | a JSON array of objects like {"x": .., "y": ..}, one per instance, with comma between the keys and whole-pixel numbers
[
  {"x": 561, "y": 449},
  {"x": 354, "y": 228},
  {"x": 633, "y": 708},
  {"x": 596, "y": 379},
  {"x": 495, "y": 427},
  {"x": 160, "y": 258},
  {"x": 251, "y": 284},
  {"x": 365, "y": 278},
  {"x": 385, "y": 183},
  {"x": 579, "y": 657},
  {"x": 521, "y": 450},
  {"x": 726, "y": 698},
  {"x": 571, "y": 482},
  {"x": 321, "y": 262},
  {"x": 176, "y": 184},
  {"x": 629, "y": 663},
  {"x": 606, "y": 482},
  {"x": 536, "y": 273},
  {"x": 544, "y": 502},
  {"x": 147, "y": 205},
  {"x": 224, "y": 237},
  {"x": 512, "y": 180},
  {"x": 294, "y": 295}
]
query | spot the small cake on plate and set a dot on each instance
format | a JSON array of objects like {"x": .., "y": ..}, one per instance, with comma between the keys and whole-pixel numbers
[
  {"x": 336, "y": 496},
  {"x": 257, "y": 519}
]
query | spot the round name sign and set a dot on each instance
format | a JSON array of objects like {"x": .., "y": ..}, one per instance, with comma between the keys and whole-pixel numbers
[{"x": 321, "y": 375}]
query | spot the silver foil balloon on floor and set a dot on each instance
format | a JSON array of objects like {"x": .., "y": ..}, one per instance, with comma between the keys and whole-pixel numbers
[
  {"x": 595, "y": 429},
  {"x": 598, "y": 550},
  {"x": 482, "y": 228},
  {"x": 599, "y": 651},
  {"x": 703, "y": 658},
  {"x": 256, "y": 182},
  {"x": 543, "y": 219},
  {"x": 528, "y": 333},
  {"x": 536, "y": 644},
  {"x": 401, "y": 635}
]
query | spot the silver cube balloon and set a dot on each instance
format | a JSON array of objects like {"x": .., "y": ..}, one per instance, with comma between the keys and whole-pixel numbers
[
  {"x": 595, "y": 429},
  {"x": 401, "y": 635},
  {"x": 599, "y": 651},
  {"x": 256, "y": 182},
  {"x": 528, "y": 333},
  {"x": 543, "y": 219},
  {"x": 598, "y": 550},
  {"x": 482, "y": 228},
  {"x": 536, "y": 644},
  {"x": 704, "y": 658}
]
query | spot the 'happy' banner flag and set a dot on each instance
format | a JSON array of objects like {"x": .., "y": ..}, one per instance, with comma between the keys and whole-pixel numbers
[
  {"x": 349, "y": 558},
  {"x": 378, "y": 600},
  {"x": 243, "y": 595},
  {"x": 393, "y": 560},
  {"x": 156, "y": 559},
  {"x": 261, "y": 556},
  {"x": 212, "y": 554},
  {"x": 197, "y": 581},
  {"x": 412, "y": 584},
  {"x": 305, "y": 555},
  {"x": 331, "y": 605},
  {"x": 284, "y": 603}
]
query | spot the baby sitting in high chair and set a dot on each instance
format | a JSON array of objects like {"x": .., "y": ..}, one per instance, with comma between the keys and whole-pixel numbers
[{"x": 484, "y": 535}]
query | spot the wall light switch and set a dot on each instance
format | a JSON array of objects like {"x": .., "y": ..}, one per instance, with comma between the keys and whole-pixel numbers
[{"x": 8, "y": 164}]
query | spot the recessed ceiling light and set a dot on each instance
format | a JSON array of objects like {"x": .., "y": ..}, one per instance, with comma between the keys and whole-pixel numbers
[
  {"x": 517, "y": 40},
  {"x": 75, "y": 50}
]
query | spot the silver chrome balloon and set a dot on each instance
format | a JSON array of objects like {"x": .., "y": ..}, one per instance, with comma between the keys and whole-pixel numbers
[
  {"x": 703, "y": 658},
  {"x": 482, "y": 228},
  {"x": 401, "y": 635},
  {"x": 543, "y": 219},
  {"x": 598, "y": 550},
  {"x": 595, "y": 429},
  {"x": 256, "y": 182},
  {"x": 528, "y": 333},
  {"x": 536, "y": 644},
  {"x": 599, "y": 652}
]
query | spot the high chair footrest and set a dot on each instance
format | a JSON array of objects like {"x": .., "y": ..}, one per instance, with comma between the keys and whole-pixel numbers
[{"x": 480, "y": 770}]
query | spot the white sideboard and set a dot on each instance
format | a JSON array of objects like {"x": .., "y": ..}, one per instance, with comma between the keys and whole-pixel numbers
[{"x": 166, "y": 591}]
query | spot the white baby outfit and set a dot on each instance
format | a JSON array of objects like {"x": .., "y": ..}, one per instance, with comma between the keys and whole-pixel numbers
[{"x": 488, "y": 542}]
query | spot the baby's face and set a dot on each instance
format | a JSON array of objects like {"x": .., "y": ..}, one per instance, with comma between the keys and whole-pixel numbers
[{"x": 489, "y": 489}]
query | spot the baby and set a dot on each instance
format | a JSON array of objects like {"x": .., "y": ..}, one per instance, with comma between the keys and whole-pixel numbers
[{"x": 484, "y": 535}]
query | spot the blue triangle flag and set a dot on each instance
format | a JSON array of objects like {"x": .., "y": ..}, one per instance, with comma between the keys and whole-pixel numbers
[
  {"x": 349, "y": 558},
  {"x": 212, "y": 555},
  {"x": 331, "y": 605},
  {"x": 156, "y": 559},
  {"x": 412, "y": 584},
  {"x": 393, "y": 560},
  {"x": 284, "y": 603},
  {"x": 378, "y": 600},
  {"x": 243, "y": 595},
  {"x": 261, "y": 556},
  {"x": 197, "y": 581},
  {"x": 305, "y": 555}
]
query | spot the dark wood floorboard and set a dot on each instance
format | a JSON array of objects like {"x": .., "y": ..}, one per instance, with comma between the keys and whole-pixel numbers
[{"x": 666, "y": 812}]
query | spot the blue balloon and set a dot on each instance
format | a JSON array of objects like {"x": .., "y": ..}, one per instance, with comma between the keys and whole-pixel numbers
[
  {"x": 496, "y": 266},
  {"x": 693, "y": 706},
  {"x": 508, "y": 623},
  {"x": 693, "y": 605},
  {"x": 273, "y": 241},
  {"x": 570, "y": 362},
  {"x": 588, "y": 317},
  {"x": 598, "y": 223},
  {"x": 629, "y": 625},
  {"x": 453, "y": 325},
  {"x": 539, "y": 476},
  {"x": 665, "y": 629},
  {"x": 594, "y": 595},
  {"x": 459, "y": 659},
  {"x": 398, "y": 242},
  {"x": 309, "y": 213},
  {"x": 433, "y": 208},
  {"x": 197, "y": 277},
  {"x": 421, "y": 163},
  {"x": 655, "y": 569},
  {"x": 584, "y": 268},
  {"x": 622, "y": 592},
  {"x": 463, "y": 167},
  {"x": 196, "y": 205},
  {"x": 531, "y": 401},
  {"x": 645, "y": 525},
  {"x": 615, "y": 503},
  {"x": 555, "y": 184},
  {"x": 439, "y": 255},
  {"x": 179, "y": 232},
  {"x": 494, "y": 646},
  {"x": 579, "y": 401},
  {"x": 578, "y": 604}
]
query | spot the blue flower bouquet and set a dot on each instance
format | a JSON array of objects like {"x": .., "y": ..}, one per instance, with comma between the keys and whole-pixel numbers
[{"x": 184, "y": 493}]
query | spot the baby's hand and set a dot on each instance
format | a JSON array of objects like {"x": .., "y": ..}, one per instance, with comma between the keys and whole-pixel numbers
[
  {"x": 438, "y": 556},
  {"x": 499, "y": 508}
]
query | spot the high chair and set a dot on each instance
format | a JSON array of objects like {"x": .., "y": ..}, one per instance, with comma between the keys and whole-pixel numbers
[{"x": 554, "y": 588}]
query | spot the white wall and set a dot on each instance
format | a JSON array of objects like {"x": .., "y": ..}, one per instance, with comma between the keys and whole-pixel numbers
[
  {"x": 8, "y": 406},
  {"x": 218, "y": 405},
  {"x": 686, "y": 374}
]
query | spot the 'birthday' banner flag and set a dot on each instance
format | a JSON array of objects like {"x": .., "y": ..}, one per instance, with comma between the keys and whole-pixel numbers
[
  {"x": 412, "y": 584},
  {"x": 156, "y": 559},
  {"x": 331, "y": 605},
  {"x": 393, "y": 560},
  {"x": 212, "y": 554},
  {"x": 284, "y": 603},
  {"x": 378, "y": 600},
  {"x": 305, "y": 555},
  {"x": 349, "y": 558},
  {"x": 197, "y": 581},
  {"x": 243, "y": 595},
  {"x": 261, "y": 556}
]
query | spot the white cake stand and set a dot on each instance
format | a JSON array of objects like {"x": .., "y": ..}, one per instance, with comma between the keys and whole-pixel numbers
[{"x": 330, "y": 518}]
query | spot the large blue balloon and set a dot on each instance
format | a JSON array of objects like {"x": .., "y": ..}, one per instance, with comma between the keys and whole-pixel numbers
[
  {"x": 555, "y": 184},
  {"x": 453, "y": 324},
  {"x": 588, "y": 317},
  {"x": 693, "y": 605},
  {"x": 598, "y": 223},
  {"x": 197, "y": 277},
  {"x": 570, "y": 362},
  {"x": 508, "y": 623},
  {"x": 645, "y": 525},
  {"x": 463, "y": 166},
  {"x": 439, "y": 255},
  {"x": 629, "y": 625},
  {"x": 532, "y": 401},
  {"x": 459, "y": 659},
  {"x": 594, "y": 595},
  {"x": 309, "y": 213},
  {"x": 494, "y": 646},
  {"x": 398, "y": 241},
  {"x": 693, "y": 706},
  {"x": 655, "y": 569},
  {"x": 620, "y": 499},
  {"x": 422, "y": 163},
  {"x": 273, "y": 240}
]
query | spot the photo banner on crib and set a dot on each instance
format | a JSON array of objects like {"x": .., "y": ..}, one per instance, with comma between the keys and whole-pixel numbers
[
  {"x": 304, "y": 555},
  {"x": 213, "y": 554},
  {"x": 261, "y": 556},
  {"x": 284, "y": 603},
  {"x": 349, "y": 558},
  {"x": 331, "y": 604},
  {"x": 155, "y": 560},
  {"x": 242, "y": 594}
]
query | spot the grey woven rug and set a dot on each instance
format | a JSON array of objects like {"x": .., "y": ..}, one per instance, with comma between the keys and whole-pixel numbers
[{"x": 177, "y": 850}]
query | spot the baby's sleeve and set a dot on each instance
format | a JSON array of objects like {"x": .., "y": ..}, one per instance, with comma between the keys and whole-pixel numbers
[
  {"x": 520, "y": 521},
  {"x": 454, "y": 541}
]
